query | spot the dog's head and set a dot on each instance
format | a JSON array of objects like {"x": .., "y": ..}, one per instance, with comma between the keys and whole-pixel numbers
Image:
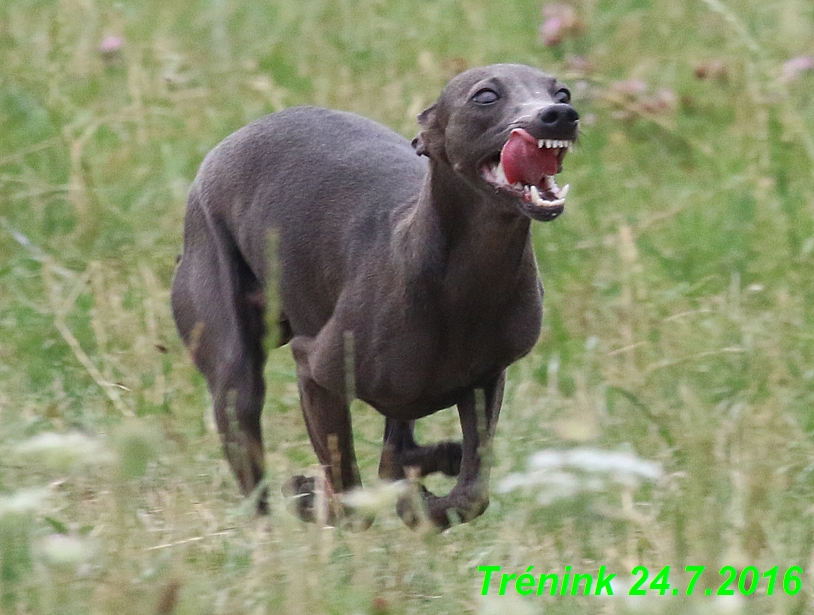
[{"x": 506, "y": 128}]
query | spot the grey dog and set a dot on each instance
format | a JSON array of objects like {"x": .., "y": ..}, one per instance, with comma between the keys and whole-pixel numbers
[{"x": 407, "y": 281}]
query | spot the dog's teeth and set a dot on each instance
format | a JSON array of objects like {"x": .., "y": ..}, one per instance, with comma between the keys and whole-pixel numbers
[
  {"x": 535, "y": 195},
  {"x": 563, "y": 192},
  {"x": 500, "y": 174},
  {"x": 554, "y": 144}
]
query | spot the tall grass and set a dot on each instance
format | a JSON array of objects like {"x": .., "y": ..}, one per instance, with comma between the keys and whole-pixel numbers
[{"x": 679, "y": 320}]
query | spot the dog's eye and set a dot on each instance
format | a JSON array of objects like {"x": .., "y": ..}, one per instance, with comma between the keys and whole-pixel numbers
[
  {"x": 485, "y": 96},
  {"x": 562, "y": 96}
]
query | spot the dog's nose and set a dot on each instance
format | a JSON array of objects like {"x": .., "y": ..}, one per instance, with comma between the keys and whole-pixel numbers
[{"x": 559, "y": 118}]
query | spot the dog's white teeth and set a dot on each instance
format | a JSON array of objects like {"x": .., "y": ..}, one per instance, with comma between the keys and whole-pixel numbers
[
  {"x": 500, "y": 174},
  {"x": 554, "y": 144},
  {"x": 532, "y": 194}
]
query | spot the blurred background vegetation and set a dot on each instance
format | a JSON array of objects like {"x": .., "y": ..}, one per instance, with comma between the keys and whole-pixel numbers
[{"x": 679, "y": 322}]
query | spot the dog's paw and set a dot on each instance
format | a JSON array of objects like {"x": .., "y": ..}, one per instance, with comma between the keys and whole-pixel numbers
[
  {"x": 313, "y": 500},
  {"x": 444, "y": 457},
  {"x": 261, "y": 501},
  {"x": 413, "y": 508},
  {"x": 423, "y": 511},
  {"x": 302, "y": 492}
]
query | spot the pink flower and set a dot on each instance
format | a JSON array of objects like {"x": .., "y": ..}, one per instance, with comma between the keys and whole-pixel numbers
[
  {"x": 793, "y": 68},
  {"x": 111, "y": 45},
  {"x": 559, "y": 21}
]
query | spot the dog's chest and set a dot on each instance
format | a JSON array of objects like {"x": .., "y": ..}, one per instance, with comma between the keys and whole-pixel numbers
[{"x": 420, "y": 368}]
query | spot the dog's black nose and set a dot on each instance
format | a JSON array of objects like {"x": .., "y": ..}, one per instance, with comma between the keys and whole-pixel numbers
[{"x": 559, "y": 118}]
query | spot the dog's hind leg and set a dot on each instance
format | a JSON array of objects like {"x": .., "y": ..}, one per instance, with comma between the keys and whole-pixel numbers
[
  {"x": 218, "y": 309},
  {"x": 401, "y": 451}
]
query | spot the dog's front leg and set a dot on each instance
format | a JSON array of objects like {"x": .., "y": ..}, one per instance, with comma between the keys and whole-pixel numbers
[
  {"x": 478, "y": 412},
  {"x": 327, "y": 418}
]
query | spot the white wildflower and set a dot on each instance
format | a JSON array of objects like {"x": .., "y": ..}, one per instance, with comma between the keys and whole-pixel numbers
[
  {"x": 65, "y": 451},
  {"x": 375, "y": 499},
  {"x": 561, "y": 474},
  {"x": 23, "y": 501},
  {"x": 64, "y": 551}
]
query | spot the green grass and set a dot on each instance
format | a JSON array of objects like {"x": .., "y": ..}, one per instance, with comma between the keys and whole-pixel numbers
[{"x": 679, "y": 318}]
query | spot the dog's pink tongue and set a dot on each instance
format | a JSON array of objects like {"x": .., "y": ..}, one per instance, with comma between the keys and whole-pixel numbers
[{"x": 524, "y": 162}]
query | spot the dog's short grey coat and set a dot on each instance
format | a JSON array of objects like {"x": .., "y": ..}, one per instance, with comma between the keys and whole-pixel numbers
[{"x": 413, "y": 265}]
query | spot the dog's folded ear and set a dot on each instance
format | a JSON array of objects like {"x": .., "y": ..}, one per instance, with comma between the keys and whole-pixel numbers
[
  {"x": 430, "y": 141},
  {"x": 418, "y": 145}
]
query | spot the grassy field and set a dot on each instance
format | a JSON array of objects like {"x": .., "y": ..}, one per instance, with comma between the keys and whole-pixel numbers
[{"x": 679, "y": 322}]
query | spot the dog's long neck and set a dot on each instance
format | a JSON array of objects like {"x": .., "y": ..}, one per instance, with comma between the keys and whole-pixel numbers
[{"x": 457, "y": 236}]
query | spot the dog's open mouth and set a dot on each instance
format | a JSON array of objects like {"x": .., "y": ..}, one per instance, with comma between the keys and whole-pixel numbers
[{"x": 525, "y": 168}]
